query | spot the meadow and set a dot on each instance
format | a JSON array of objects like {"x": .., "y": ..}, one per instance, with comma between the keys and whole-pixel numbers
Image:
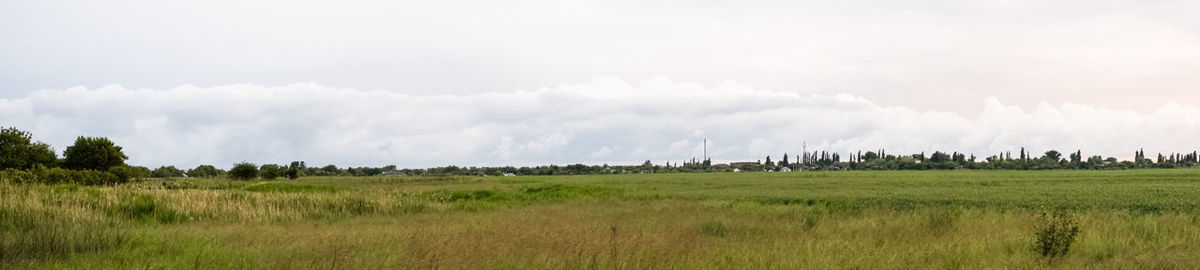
[{"x": 794, "y": 220}]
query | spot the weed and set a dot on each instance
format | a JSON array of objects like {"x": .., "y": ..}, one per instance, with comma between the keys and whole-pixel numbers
[{"x": 1055, "y": 233}]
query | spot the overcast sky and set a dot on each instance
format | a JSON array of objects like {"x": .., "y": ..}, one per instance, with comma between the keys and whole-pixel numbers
[{"x": 430, "y": 83}]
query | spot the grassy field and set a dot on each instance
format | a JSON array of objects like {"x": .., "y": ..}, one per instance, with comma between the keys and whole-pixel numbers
[{"x": 800, "y": 220}]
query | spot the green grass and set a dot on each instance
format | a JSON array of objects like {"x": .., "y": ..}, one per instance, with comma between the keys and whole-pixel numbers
[{"x": 799, "y": 220}]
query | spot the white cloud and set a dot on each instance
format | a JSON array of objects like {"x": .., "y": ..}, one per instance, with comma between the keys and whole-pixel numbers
[
  {"x": 944, "y": 55},
  {"x": 603, "y": 121}
]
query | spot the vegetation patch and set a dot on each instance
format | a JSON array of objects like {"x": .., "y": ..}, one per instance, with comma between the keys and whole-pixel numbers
[
  {"x": 1054, "y": 234},
  {"x": 40, "y": 234},
  {"x": 715, "y": 229},
  {"x": 289, "y": 188},
  {"x": 560, "y": 192},
  {"x": 145, "y": 208}
]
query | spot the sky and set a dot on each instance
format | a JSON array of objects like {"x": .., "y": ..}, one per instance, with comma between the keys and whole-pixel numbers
[{"x": 485, "y": 83}]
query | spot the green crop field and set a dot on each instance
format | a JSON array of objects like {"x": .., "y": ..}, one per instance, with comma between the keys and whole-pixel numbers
[{"x": 1133, "y": 219}]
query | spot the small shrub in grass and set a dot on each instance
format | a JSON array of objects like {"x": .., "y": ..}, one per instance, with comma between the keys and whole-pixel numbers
[
  {"x": 1055, "y": 233},
  {"x": 714, "y": 228}
]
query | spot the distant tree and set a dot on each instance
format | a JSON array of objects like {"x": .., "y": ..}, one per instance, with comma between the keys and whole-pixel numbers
[
  {"x": 204, "y": 171},
  {"x": 1052, "y": 155},
  {"x": 868, "y": 156},
  {"x": 269, "y": 171},
  {"x": 243, "y": 171},
  {"x": 333, "y": 170},
  {"x": 938, "y": 156},
  {"x": 166, "y": 172},
  {"x": 294, "y": 169},
  {"x": 19, "y": 151},
  {"x": 93, "y": 153}
]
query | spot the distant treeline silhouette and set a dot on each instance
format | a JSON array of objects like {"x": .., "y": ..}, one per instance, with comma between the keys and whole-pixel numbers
[
  {"x": 96, "y": 160},
  {"x": 868, "y": 160}
]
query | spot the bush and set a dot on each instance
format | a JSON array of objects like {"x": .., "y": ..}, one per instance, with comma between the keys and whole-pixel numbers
[
  {"x": 243, "y": 171},
  {"x": 19, "y": 151},
  {"x": 1055, "y": 233},
  {"x": 93, "y": 153},
  {"x": 124, "y": 173},
  {"x": 17, "y": 176},
  {"x": 269, "y": 171},
  {"x": 204, "y": 171},
  {"x": 166, "y": 172}
]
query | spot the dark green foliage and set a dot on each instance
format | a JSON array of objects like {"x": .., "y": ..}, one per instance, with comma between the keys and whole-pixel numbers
[
  {"x": 19, "y": 151},
  {"x": 83, "y": 177},
  {"x": 1055, "y": 233},
  {"x": 93, "y": 153},
  {"x": 204, "y": 171},
  {"x": 269, "y": 171},
  {"x": 125, "y": 173},
  {"x": 293, "y": 170},
  {"x": 166, "y": 172},
  {"x": 11, "y": 175},
  {"x": 243, "y": 171}
]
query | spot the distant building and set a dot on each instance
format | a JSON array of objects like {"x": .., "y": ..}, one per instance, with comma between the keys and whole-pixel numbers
[
  {"x": 785, "y": 169},
  {"x": 509, "y": 174}
]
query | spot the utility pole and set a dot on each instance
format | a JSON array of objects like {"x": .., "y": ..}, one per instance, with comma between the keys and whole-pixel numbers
[{"x": 706, "y": 149}]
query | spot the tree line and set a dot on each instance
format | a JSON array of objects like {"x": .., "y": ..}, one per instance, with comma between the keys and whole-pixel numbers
[
  {"x": 1025, "y": 160},
  {"x": 97, "y": 160}
]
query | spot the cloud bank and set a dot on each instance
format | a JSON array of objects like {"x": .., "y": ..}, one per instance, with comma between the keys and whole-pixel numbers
[{"x": 603, "y": 121}]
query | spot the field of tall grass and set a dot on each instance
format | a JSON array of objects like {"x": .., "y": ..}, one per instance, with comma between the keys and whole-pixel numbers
[{"x": 798, "y": 220}]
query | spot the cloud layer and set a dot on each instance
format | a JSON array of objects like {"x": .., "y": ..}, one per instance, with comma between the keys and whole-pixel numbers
[
  {"x": 602, "y": 121},
  {"x": 925, "y": 54}
]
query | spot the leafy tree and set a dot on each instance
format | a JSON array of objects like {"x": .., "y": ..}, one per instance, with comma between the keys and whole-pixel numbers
[
  {"x": 243, "y": 171},
  {"x": 1052, "y": 155},
  {"x": 868, "y": 156},
  {"x": 204, "y": 171},
  {"x": 269, "y": 171},
  {"x": 166, "y": 172},
  {"x": 93, "y": 153},
  {"x": 293, "y": 170},
  {"x": 17, "y": 150},
  {"x": 938, "y": 156}
]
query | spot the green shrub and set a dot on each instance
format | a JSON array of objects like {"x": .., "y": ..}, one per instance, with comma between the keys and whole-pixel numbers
[
  {"x": 1055, "y": 233},
  {"x": 83, "y": 177},
  {"x": 243, "y": 171},
  {"x": 124, "y": 173},
  {"x": 269, "y": 171},
  {"x": 166, "y": 172},
  {"x": 17, "y": 176}
]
